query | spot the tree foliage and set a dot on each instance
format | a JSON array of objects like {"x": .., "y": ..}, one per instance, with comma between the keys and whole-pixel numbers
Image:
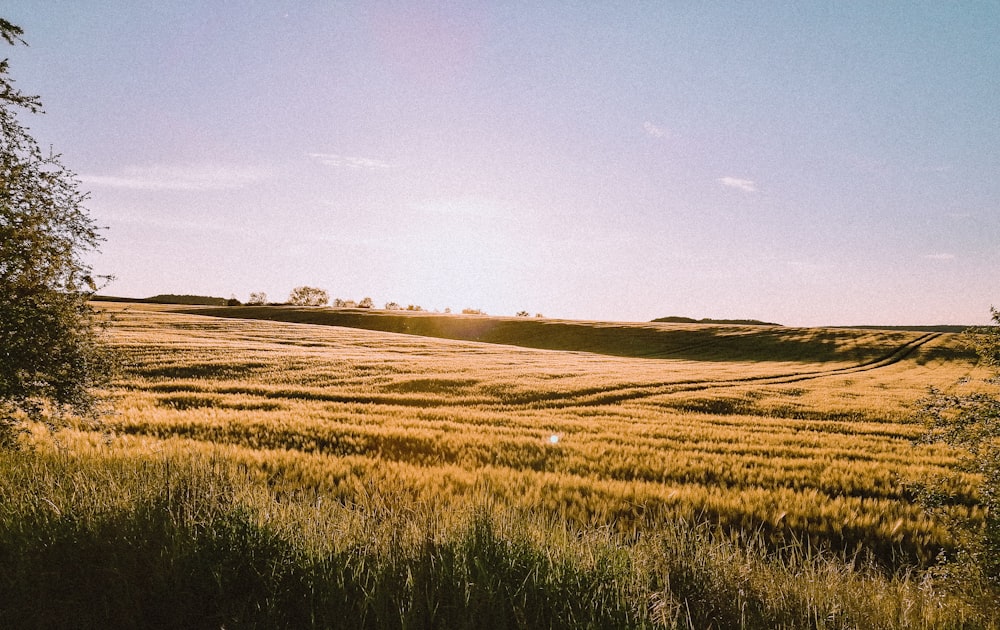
[
  {"x": 49, "y": 345},
  {"x": 308, "y": 296},
  {"x": 971, "y": 423},
  {"x": 257, "y": 299}
]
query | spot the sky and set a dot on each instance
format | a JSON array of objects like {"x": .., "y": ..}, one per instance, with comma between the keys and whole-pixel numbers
[{"x": 818, "y": 163}]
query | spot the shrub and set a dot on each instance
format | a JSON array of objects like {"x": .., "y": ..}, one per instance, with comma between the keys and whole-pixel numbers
[
  {"x": 970, "y": 423},
  {"x": 308, "y": 296}
]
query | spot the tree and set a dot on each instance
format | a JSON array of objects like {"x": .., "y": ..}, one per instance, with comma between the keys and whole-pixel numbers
[
  {"x": 50, "y": 349},
  {"x": 308, "y": 296},
  {"x": 366, "y": 303},
  {"x": 971, "y": 424},
  {"x": 257, "y": 299},
  {"x": 523, "y": 314}
]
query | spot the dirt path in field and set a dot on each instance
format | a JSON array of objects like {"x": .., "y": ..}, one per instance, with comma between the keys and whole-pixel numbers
[
  {"x": 584, "y": 397},
  {"x": 636, "y": 393},
  {"x": 610, "y": 394}
]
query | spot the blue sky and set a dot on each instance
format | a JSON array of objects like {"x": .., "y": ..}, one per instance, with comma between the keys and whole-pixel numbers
[{"x": 806, "y": 163}]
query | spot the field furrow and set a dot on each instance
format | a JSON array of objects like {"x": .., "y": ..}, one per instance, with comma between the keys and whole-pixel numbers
[{"x": 816, "y": 444}]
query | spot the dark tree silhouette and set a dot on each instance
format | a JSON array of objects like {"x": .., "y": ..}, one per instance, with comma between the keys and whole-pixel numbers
[
  {"x": 51, "y": 357},
  {"x": 308, "y": 296}
]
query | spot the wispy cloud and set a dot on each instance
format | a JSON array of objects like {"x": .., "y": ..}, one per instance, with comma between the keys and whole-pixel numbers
[
  {"x": 347, "y": 161},
  {"x": 187, "y": 225},
  {"x": 654, "y": 130},
  {"x": 186, "y": 177},
  {"x": 940, "y": 256},
  {"x": 746, "y": 185}
]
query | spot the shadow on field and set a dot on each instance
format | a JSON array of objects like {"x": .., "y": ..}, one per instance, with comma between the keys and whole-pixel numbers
[
  {"x": 200, "y": 370},
  {"x": 695, "y": 342}
]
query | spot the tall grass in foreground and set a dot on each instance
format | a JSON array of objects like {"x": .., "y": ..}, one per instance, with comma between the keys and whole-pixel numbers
[{"x": 137, "y": 541}]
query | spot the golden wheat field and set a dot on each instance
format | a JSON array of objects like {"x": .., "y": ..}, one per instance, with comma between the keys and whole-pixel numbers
[{"x": 813, "y": 443}]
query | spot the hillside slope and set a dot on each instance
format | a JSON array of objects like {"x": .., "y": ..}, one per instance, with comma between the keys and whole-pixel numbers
[{"x": 701, "y": 342}]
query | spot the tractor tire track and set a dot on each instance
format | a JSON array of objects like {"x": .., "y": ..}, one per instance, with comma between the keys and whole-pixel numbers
[{"x": 639, "y": 393}]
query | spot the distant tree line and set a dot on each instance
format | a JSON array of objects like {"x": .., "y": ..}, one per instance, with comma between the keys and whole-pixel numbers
[
  {"x": 394, "y": 306},
  {"x": 312, "y": 296},
  {"x": 689, "y": 320},
  {"x": 197, "y": 300},
  {"x": 300, "y": 296}
]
